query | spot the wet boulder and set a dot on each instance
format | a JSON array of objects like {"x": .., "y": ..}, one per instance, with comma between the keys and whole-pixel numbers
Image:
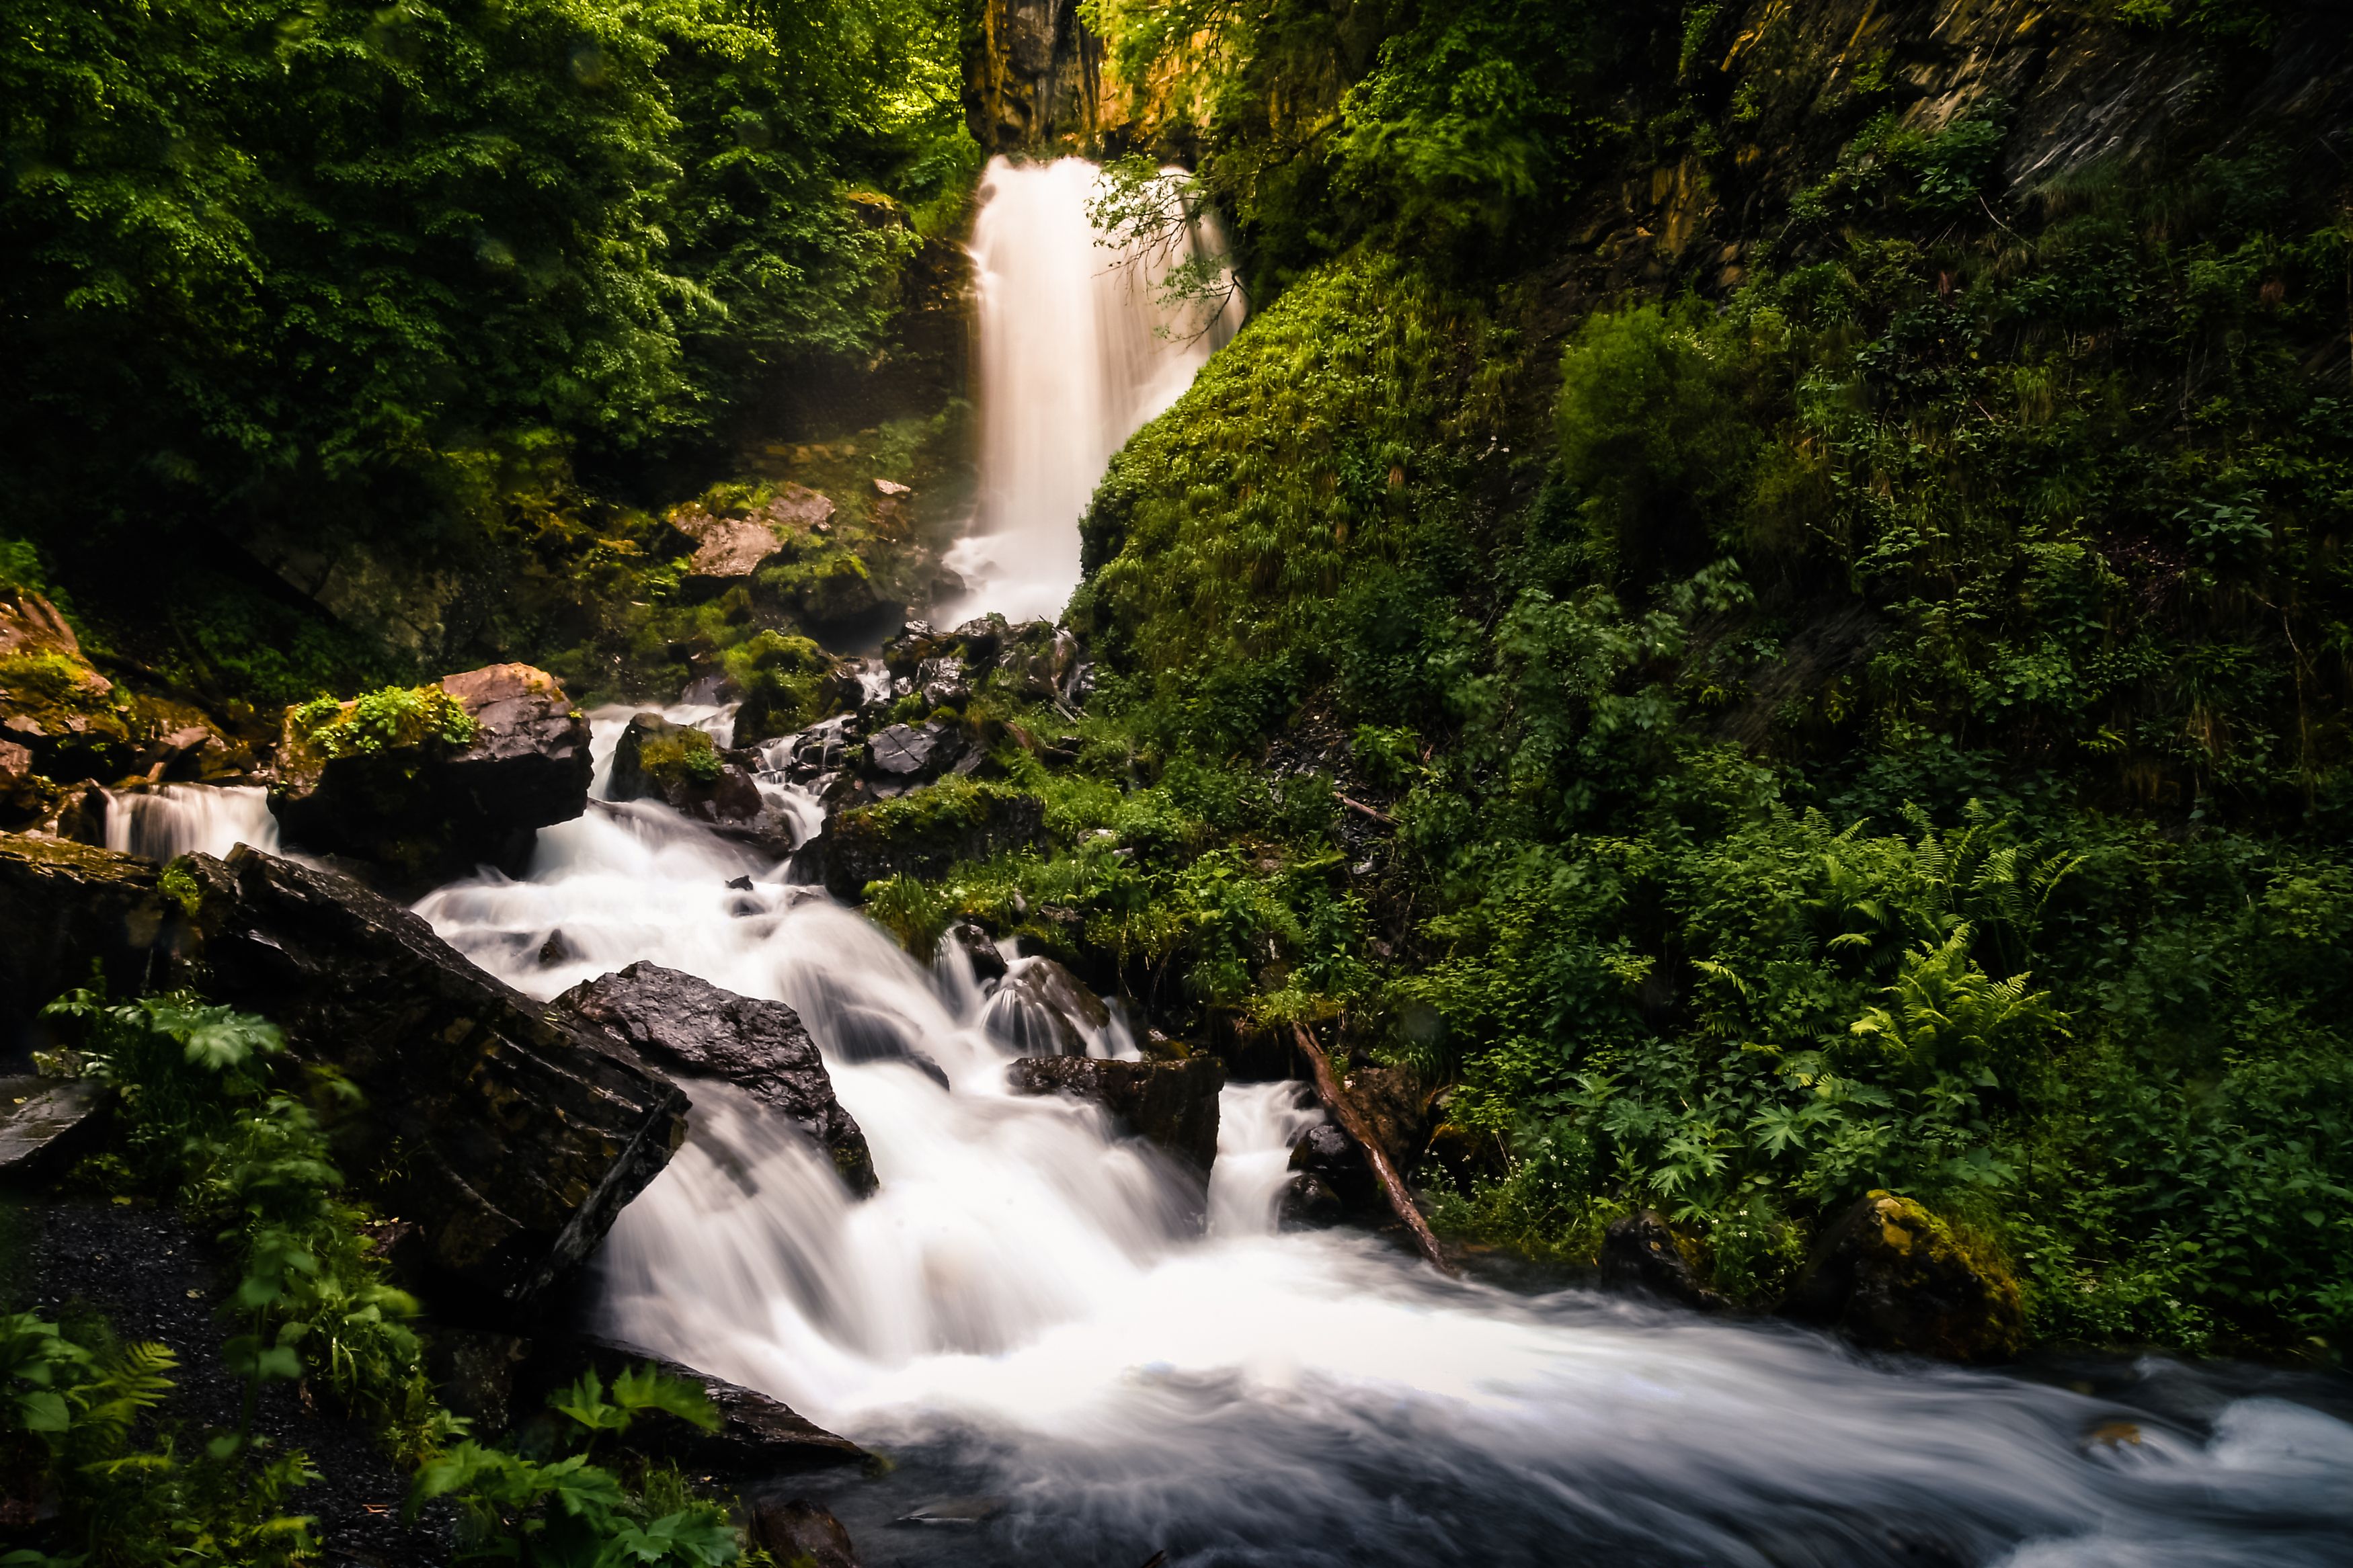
[
  {"x": 1329, "y": 1177},
  {"x": 977, "y": 949},
  {"x": 1640, "y": 1251},
  {"x": 798, "y": 1531},
  {"x": 508, "y": 1132},
  {"x": 65, "y": 906},
  {"x": 1040, "y": 662},
  {"x": 905, "y": 754},
  {"x": 1308, "y": 1202},
  {"x": 1891, "y": 1276},
  {"x": 690, "y": 1028},
  {"x": 943, "y": 682},
  {"x": 385, "y": 781},
  {"x": 47, "y": 1122},
  {"x": 1043, "y": 1010},
  {"x": 924, "y": 833},
  {"x": 1171, "y": 1105},
  {"x": 683, "y": 766},
  {"x": 891, "y": 512}
]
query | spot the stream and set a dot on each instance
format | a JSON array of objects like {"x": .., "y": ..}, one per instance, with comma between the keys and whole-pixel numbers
[{"x": 1028, "y": 1322}]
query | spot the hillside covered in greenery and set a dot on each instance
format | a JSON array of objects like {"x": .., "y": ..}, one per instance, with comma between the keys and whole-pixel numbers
[
  {"x": 1822, "y": 526},
  {"x": 1761, "y": 605}
]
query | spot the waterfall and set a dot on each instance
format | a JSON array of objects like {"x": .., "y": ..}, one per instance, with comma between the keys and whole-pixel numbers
[
  {"x": 1030, "y": 1309},
  {"x": 185, "y": 819},
  {"x": 1025, "y": 1309},
  {"x": 1077, "y": 351}
]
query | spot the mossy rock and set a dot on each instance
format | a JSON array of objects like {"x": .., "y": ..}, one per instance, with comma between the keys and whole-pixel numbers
[
  {"x": 1891, "y": 1276},
  {"x": 924, "y": 833}
]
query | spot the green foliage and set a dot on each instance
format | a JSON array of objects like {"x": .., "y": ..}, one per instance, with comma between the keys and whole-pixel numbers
[
  {"x": 783, "y": 678},
  {"x": 389, "y": 719},
  {"x": 686, "y": 755},
  {"x": 270, "y": 248},
  {"x": 51, "y": 677},
  {"x": 202, "y": 1116},
  {"x": 568, "y": 1511}
]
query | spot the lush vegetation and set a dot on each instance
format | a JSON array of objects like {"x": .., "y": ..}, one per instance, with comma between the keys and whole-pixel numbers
[
  {"x": 1870, "y": 717},
  {"x": 211, "y": 1117}
]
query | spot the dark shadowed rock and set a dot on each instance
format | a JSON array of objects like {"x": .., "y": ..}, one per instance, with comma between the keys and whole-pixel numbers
[
  {"x": 756, "y": 1434},
  {"x": 1171, "y": 1104},
  {"x": 1891, "y": 1276},
  {"x": 1336, "y": 1170},
  {"x": 1308, "y": 1202},
  {"x": 64, "y": 906},
  {"x": 978, "y": 948},
  {"x": 419, "y": 814},
  {"x": 508, "y": 1131},
  {"x": 906, "y": 753},
  {"x": 924, "y": 833},
  {"x": 1640, "y": 1251},
  {"x": 800, "y": 1532},
  {"x": 1043, "y": 1010},
  {"x": 45, "y": 1123},
  {"x": 690, "y": 1026}
]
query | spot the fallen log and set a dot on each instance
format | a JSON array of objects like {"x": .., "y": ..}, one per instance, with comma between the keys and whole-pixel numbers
[{"x": 1327, "y": 1090}]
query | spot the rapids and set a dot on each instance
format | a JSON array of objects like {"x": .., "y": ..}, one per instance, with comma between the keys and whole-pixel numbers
[{"x": 1023, "y": 1313}]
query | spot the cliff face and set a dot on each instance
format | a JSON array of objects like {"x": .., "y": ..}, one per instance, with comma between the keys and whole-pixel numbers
[
  {"x": 1033, "y": 76},
  {"x": 1787, "y": 82}
]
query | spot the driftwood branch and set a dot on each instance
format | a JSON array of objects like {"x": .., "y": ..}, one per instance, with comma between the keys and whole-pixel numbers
[
  {"x": 1361, "y": 809},
  {"x": 1344, "y": 1112}
]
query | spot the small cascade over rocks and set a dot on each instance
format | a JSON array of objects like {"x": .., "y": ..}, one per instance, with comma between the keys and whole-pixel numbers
[{"x": 1031, "y": 1308}]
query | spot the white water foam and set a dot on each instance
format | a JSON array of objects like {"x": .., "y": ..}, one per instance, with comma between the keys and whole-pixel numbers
[
  {"x": 186, "y": 819},
  {"x": 1027, "y": 1292},
  {"x": 1076, "y": 353}
]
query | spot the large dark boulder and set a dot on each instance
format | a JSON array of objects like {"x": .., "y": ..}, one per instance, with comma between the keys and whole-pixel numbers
[
  {"x": 680, "y": 765},
  {"x": 422, "y": 810},
  {"x": 508, "y": 1132},
  {"x": 45, "y": 1123},
  {"x": 906, "y": 754},
  {"x": 924, "y": 833},
  {"x": 799, "y": 1532},
  {"x": 1173, "y": 1105},
  {"x": 687, "y": 1026},
  {"x": 1891, "y": 1276},
  {"x": 65, "y": 906},
  {"x": 1640, "y": 1251}
]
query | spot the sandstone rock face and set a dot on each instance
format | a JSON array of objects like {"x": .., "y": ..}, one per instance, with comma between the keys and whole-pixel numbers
[
  {"x": 1173, "y": 1105},
  {"x": 691, "y": 1027},
  {"x": 421, "y": 814},
  {"x": 508, "y": 1131},
  {"x": 1640, "y": 1251},
  {"x": 1891, "y": 1276}
]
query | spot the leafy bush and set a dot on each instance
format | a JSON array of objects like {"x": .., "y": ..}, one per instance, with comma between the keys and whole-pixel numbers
[{"x": 566, "y": 1509}]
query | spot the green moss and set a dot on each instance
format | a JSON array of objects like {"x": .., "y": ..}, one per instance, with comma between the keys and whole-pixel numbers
[
  {"x": 390, "y": 719},
  {"x": 783, "y": 678},
  {"x": 682, "y": 755},
  {"x": 51, "y": 677}
]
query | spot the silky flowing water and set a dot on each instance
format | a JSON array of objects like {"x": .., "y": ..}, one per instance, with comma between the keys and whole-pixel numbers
[{"x": 1031, "y": 1312}]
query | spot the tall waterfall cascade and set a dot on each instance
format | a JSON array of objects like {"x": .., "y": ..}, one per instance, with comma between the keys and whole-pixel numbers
[
  {"x": 1078, "y": 349},
  {"x": 1033, "y": 1308}
]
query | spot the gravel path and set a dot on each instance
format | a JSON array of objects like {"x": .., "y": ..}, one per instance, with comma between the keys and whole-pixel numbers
[{"x": 155, "y": 1278}]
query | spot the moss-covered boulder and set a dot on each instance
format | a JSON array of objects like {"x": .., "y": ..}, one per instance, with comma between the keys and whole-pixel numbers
[
  {"x": 423, "y": 783},
  {"x": 1891, "y": 1276},
  {"x": 68, "y": 719},
  {"x": 683, "y": 767},
  {"x": 924, "y": 833}
]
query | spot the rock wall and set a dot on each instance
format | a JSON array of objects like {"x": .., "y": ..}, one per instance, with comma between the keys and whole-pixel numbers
[{"x": 1033, "y": 76}]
